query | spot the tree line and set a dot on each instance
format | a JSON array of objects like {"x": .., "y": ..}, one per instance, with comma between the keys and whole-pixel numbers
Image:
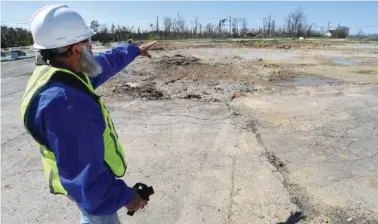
[
  {"x": 176, "y": 27},
  {"x": 15, "y": 37}
]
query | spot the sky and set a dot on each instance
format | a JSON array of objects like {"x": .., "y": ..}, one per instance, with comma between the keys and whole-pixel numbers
[{"x": 356, "y": 15}]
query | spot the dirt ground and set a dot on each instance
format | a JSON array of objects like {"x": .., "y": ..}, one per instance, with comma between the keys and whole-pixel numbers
[
  {"x": 219, "y": 72},
  {"x": 226, "y": 132}
]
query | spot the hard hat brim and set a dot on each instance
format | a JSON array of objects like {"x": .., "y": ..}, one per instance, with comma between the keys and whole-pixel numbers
[{"x": 89, "y": 34}]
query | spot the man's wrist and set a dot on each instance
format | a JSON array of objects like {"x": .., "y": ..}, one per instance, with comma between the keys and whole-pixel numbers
[
  {"x": 129, "y": 194},
  {"x": 139, "y": 51}
]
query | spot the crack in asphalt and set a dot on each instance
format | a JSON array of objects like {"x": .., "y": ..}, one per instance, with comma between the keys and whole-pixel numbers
[
  {"x": 292, "y": 189},
  {"x": 309, "y": 207},
  {"x": 14, "y": 138},
  {"x": 169, "y": 124},
  {"x": 232, "y": 189},
  {"x": 11, "y": 93},
  {"x": 198, "y": 118}
]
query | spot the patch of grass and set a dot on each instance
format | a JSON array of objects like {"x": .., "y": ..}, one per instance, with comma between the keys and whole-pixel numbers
[
  {"x": 257, "y": 41},
  {"x": 272, "y": 42}
]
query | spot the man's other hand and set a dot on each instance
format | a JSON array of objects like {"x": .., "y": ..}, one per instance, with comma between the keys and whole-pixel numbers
[{"x": 136, "y": 203}]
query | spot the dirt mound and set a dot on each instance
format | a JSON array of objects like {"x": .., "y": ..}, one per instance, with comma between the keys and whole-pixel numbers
[
  {"x": 146, "y": 91},
  {"x": 179, "y": 59}
]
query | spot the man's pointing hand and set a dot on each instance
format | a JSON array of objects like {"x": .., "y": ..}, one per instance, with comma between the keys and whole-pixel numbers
[{"x": 145, "y": 47}]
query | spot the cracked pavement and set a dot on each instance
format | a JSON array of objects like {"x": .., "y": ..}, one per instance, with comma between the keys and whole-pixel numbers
[{"x": 327, "y": 140}]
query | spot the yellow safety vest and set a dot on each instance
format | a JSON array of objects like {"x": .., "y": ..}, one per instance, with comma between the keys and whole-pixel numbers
[{"x": 113, "y": 152}]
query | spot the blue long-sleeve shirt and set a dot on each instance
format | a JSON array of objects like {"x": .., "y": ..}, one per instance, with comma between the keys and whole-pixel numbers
[{"x": 71, "y": 124}]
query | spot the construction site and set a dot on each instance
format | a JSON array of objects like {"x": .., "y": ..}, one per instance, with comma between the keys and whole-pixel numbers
[{"x": 241, "y": 132}]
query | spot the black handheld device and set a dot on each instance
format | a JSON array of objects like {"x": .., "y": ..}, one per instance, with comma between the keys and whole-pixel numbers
[{"x": 144, "y": 191}]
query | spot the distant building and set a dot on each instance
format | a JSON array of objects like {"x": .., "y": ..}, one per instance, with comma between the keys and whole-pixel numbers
[{"x": 331, "y": 33}]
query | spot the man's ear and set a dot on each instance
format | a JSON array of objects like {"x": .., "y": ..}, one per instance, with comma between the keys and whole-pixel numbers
[{"x": 75, "y": 50}]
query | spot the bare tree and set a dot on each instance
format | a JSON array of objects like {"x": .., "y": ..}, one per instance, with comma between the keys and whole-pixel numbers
[
  {"x": 180, "y": 23},
  {"x": 295, "y": 21},
  {"x": 167, "y": 24},
  {"x": 265, "y": 24},
  {"x": 273, "y": 28},
  {"x": 152, "y": 26},
  {"x": 103, "y": 28},
  {"x": 235, "y": 26},
  {"x": 269, "y": 22},
  {"x": 209, "y": 29},
  {"x": 95, "y": 25},
  {"x": 244, "y": 29},
  {"x": 342, "y": 31},
  {"x": 112, "y": 29},
  {"x": 174, "y": 26},
  {"x": 196, "y": 26},
  {"x": 288, "y": 25}
]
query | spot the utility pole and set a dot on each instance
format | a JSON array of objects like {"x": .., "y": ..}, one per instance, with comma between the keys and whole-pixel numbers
[
  {"x": 221, "y": 23},
  {"x": 308, "y": 30},
  {"x": 157, "y": 25},
  {"x": 337, "y": 29},
  {"x": 359, "y": 34},
  {"x": 230, "y": 27},
  {"x": 328, "y": 27}
]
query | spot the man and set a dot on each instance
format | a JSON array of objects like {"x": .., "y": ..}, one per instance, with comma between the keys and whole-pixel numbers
[{"x": 81, "y": 154}]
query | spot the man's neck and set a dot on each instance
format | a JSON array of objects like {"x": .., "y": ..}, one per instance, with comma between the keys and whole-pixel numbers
[
  {"x": 59, "y": 64},
  {"x": 62, "y": 64},
  {"x": 55, "y": 63}
]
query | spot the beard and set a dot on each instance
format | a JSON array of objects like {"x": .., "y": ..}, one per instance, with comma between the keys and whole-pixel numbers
[{"x": 88, "y": 64}]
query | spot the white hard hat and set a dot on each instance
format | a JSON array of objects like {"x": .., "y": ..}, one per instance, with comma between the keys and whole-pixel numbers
[{"x": 55, "y": 26}]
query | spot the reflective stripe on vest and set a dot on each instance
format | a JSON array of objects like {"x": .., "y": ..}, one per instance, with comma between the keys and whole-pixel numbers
[{"x": 114, "y": 156}]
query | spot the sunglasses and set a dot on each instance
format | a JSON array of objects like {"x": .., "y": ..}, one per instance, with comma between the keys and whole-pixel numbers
[
  {"x": 89, "y": 40},
  {"x": 67, "y": 51}
]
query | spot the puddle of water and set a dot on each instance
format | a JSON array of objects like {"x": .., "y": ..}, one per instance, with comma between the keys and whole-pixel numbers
[
  {"x": 308, "y": 81},
  {"x": 359, "y": 46},
  {"x": 343, "y": 62}
]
